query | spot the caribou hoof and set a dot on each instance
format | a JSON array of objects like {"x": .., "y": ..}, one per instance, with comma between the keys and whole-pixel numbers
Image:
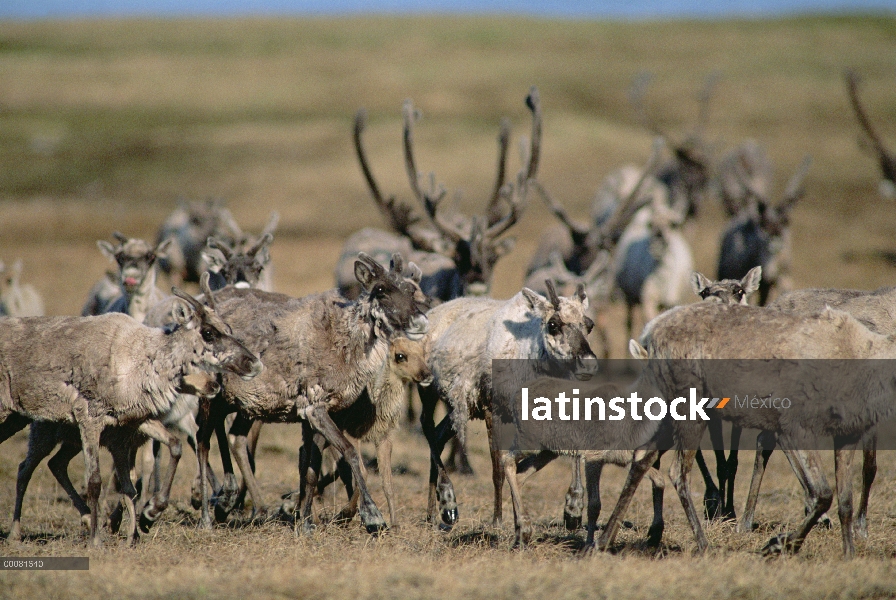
[
  {"x": 522, "y": 537},
  {"x": 115, "y": 519},
  {"x": 145, "y": 523},
  {"x": 572, "y": 522},
  {"x": 376, "y": 528},
  {"x": 712, "y": 505},
  {"x": 15, "y": 533},
  {"x": 778, "y": 545},
  {"x": 372, "y": 519},
  {"x": 450, "y": 516},
  {"x": 589, "y": 549},
  {"x": 464, "y": 468},
  {"x": 825, "y": 522},
  {"x": 860, "y": 528},
  {"x": 226, "y": 498}
]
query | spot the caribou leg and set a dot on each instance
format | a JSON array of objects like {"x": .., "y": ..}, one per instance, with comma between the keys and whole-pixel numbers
[
  {"x": 806, "y": 465},
  {"x": 156, "y": 431},
  {"x": 39, "y": 447},
  {"x": 321, "y": 421},
  {"x": 869, "y": 470},
  {"x": 441, "y": 489},
  {"x": 765, "y": 445}
]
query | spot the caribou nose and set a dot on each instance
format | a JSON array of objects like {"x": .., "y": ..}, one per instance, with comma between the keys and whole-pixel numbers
[
  {"x": 477, "y": 289},
  {"x": 586, "y": 367},
  {"x": 426, "y": 382}
]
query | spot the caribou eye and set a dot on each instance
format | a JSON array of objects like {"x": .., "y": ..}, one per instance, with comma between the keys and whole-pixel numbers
[
  {"x": 378, "y": 291},
  {"x": 704, "y": 293},
  {"x": 554, "y": 326},
  {"x": 740, "y": 294},
  {"x": 400, "y": 358},
  {"x": 208, "y": 334}
]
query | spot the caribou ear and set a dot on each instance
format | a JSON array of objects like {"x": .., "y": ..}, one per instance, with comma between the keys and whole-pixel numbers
[
  {"x": 751, "y": 280},
  {"x": 184, "y": 314},
  {"x": 214, "y": 259},
  {"x": 375, "y": 267},
  {"x": 364, "y": 275},
  {"x": 537, "y": 304},
  {"x": 699, "y": 282},
  {"x": 505, "y": 246},
  {"x": 581, "y": 295},
  {"x": 415, "y": 274},
  {"x": 194, "y": 308},
  {"x": 161, "y": 249},
  {"x": 206, "y": 290},
  {"x": 637, "y": 350},
  {"x": 107, "y": 249}
]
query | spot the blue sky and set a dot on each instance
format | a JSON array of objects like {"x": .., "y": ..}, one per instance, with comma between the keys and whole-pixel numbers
[{"x": 26, "y": 9}]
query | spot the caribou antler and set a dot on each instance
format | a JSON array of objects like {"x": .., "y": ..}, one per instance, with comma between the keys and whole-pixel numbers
[
  {"x": 273, "y": 221},
  {"x": 887, "y": 160},
  {"x": 636, "y": 97},
  {"x": 577, "y": 232},
  {"x": 703, "y": 101},
  {"x": 793, "y": 192},
  {"x": 530, "y": 160},
  {"x": 399, "y": 216},
  {"x": 431, "y": 198},
  {"x": 552, "y": 293},
  {"x": 217, "y": 244},
  {"x": 515, "y": 196},
  {"x": 533, "y": 101},
  {"x": 262, "y": 242},
  {"x": 226, "y": 217},
  {"x": 795, "y": 188},
  {"x": 744, "y": 180},
  {"x": 611, "y": 228},
  {"x": 492, "y": 212}
]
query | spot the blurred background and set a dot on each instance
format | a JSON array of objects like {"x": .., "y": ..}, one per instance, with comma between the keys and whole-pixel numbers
[
  {"x": 637, "y": 9},
  {"x": 112, "y": 111}
]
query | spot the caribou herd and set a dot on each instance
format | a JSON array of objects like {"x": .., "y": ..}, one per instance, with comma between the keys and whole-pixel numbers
[{"x": 141, "y": 367}]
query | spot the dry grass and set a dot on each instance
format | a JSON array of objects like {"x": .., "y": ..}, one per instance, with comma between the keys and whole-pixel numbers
[{"x": 103, "y": 124}]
